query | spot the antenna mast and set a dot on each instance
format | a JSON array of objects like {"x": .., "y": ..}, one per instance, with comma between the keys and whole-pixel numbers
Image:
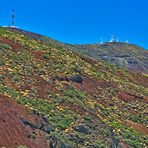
[{"x": 12, "y": 17}]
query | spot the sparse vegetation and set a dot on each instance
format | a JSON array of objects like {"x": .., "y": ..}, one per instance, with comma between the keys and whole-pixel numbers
[{"x": 89, "y": 115}]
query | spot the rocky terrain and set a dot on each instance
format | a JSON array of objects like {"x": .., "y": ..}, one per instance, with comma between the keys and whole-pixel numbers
[{"x": 54, "y": 97}]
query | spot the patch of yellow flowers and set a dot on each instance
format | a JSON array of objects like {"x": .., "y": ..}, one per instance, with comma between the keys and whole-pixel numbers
[{"x": 25, "y": 93}]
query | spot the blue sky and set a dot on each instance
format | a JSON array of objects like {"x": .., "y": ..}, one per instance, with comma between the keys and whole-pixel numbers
[{"x": 81, "y": 21}]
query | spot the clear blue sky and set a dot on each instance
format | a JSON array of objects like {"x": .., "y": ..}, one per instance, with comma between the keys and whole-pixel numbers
[{"x": 81, "y": 21}]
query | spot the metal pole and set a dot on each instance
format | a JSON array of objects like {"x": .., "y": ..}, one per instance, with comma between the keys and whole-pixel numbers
[{"x": 13, "y": 17}]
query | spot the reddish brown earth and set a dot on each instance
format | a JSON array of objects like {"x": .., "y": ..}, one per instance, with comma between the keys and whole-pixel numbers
[
  {"x": 127, "y": 97},
  {"x": 38, "y": 54},
  {"x": 138, "y": 127},
  {"x": 76, "y": 108},
  {"x": 91, "y": 85},
  {"x": 123, "y": 145},
  {"x": 103, "y": 103},
  {"x": 139, "y": 80},
  {"x": 14, "y": 46},
  {"x": 12, "y": 130},
  {"x": 42, "y": 88},
  {"x": 10, "y": 84}
]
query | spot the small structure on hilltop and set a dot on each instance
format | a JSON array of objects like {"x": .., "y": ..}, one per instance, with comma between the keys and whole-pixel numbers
[
  {"x": 112, "y": 39},
  {"x": 12, "y": 20},
  {"x": 12, "y": 24},
  {"x": 101, "y": 41}
]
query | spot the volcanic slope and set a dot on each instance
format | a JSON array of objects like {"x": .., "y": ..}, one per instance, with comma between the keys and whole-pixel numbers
[
  {"x": 53, "y": 97},
  {"x": 129, "y": 56}
]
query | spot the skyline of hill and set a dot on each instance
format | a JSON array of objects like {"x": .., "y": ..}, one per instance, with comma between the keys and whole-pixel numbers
[{"x": 129, "y": 56}]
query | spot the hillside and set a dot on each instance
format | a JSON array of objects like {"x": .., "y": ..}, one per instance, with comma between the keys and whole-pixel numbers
[
  {"x": 53, "y": 97},
  {"x": 129, "y": 56}
]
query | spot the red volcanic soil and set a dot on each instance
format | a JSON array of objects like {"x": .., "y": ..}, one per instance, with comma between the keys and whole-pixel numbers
[
  {"x": 127, "y": 97},
  {"x": 42, "y": 88},
  {"x": 92, "y": 85},
  {"x": 123, "y": 145},
  {"x": 76, "y": 108},
  {"x": 140, "y": 80},
  {"x": 14, "y": 46},
  {"x": 139, "y": 128},
  {"x": 38, "y": 54},
  {"x": 10, "y": 84},
  {"x": 12, "y": 130}
]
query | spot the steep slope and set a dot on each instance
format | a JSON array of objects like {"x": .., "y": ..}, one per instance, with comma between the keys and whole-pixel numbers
[
  {"x": 129, "y": 56},
  {"x": 13, "y": 132},
  {"x": 66, "y": 99}
]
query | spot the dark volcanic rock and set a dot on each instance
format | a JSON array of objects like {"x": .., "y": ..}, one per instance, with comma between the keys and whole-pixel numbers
[
  {"x": 76, "y": 78},
  {"x": 54, "y": 142},
  {"x": 81, "y": 129},
  {"x": 43, "y": 127}
]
